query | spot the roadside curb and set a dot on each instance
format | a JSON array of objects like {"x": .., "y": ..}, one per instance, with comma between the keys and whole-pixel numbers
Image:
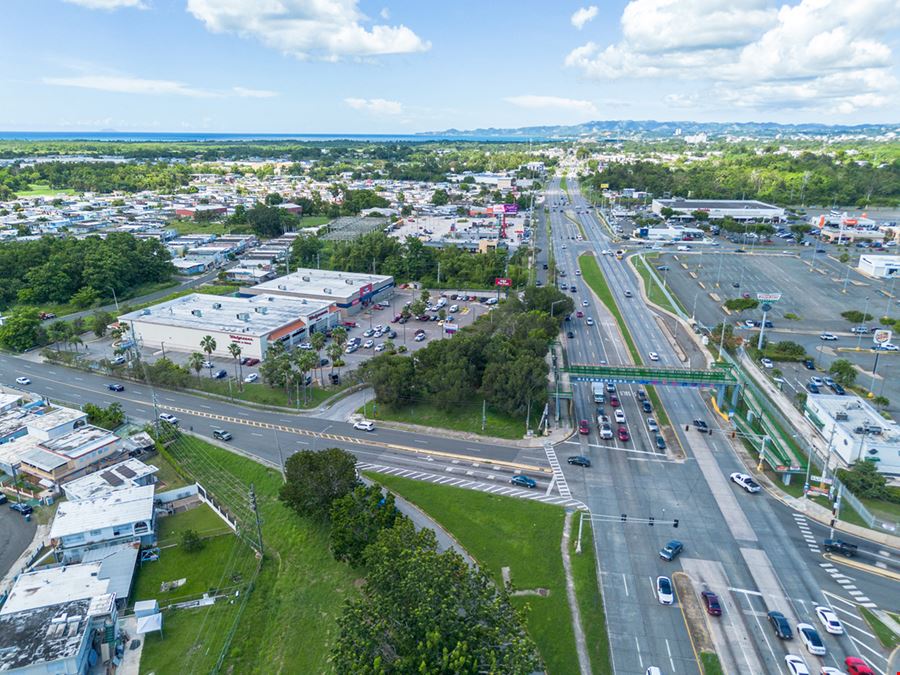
[{"x": 691, "y": 613}]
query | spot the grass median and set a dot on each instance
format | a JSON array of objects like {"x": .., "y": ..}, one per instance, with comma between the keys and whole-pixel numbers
[
  {"x": 887, "y": 637},
  {"x": 516, "y": 533},
  {"x": 459, "y": 417},
  {"x": 590, "y": 600},
  {"x": 654, "y": 293},
  {"x": 711, "y": 664}
]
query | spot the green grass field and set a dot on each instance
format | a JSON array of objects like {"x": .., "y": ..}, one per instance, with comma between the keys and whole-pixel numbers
[
  {"x": 290, "y": 621},
  {"x": 711, "y": 664},
  {"x": 257, "y": 392},
  {"x": 220, "y": 228},
  {"x": 43, "y": 190},
  {"x": 202, "y": 519},
  {"x": 461, "y": 417},
  {"x": 524, "y": 536},
  {"x": 887, "y": 637},
  {"x": 590, "y": 601},
  {"x": 166, "y": 474}
]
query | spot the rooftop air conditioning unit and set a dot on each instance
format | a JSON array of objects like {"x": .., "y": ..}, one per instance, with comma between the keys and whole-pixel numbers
[
  {"x": 282, "y": 287},
  {"x": 349, "y": 282},
  {"x": 305, "y": 278},
  {"x": 217, "y": 305},
  {"x": 859, "y": 430},
  {"x": 841, "y": 417},
  {"x": 261, "y": 310},
  {"x": 243, "y": 316},
  {"x": 197, "y": 312},
  {"x": 326, "y": 291}
]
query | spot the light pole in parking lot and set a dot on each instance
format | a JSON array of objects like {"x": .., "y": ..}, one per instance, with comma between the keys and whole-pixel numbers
[
  {"x": 865, "y": 318},
  {"x": 890, "y": 296}
]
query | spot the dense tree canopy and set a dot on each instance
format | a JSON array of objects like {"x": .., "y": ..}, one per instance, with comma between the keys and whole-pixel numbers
[
  {"x": 54, "y": 270},
  {"x": 313, "y": 480}
]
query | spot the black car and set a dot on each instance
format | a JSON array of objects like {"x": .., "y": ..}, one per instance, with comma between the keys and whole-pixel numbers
[
  {"x": 781, "y": 625},
  {"x": 838, "y": 389},
  {"x": 810, "y": 365},
  {"x": 570, "y": 335},
  {"x": 813, "y": 389},
  {"x": 579, "y": 460},
  {"x": 842, "y": 547},
  {"x": 701, "y": 425},
  {"x": 219, "y": 374},
  {"x": 115, "y": 387},
  {"x": 660, "y": 442},
  {"x": 3, "y": 498},
  {"x": 645, "y": 405},
  {"x": 21, "y": 507}
]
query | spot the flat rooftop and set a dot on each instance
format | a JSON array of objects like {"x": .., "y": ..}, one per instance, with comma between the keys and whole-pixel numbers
[
  {"x": 717, "y": 204},
  {"x": 79, "y": 442},
  {"x": 321, "y": 283},
  {"x": 53, "y": 418},
  {"x": 43, "y": 635},
  {"x": 117, "y": 508},
  {"x": 9, "y": 399},
  {"x": 116, "y": 477},
  {"x": 851, "y": 414},
  {"x": 257, "y": 315},
  {"x": 55, "y": 585}
]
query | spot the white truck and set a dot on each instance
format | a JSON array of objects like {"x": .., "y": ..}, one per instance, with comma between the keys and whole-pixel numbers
[{"x": 599, "y": 396}]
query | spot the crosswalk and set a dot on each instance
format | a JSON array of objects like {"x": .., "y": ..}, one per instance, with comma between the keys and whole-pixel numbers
[
  {"x": 470, "y": 482},
  {"x": 845, "y": 582},
  {"x": 558, "y": 475}
]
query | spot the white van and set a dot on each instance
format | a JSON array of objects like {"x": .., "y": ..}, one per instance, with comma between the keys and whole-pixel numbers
[{"x": 454, "y": 309}]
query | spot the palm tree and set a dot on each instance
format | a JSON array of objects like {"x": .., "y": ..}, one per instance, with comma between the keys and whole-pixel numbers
[
  {"x": 75, "y": 340},
  {"x": 305, "y": 361},
  {"x": 208, "y": 344},
  {"x": 235, "y": 350},
  {"x": 195, "y": 363},
  {"x": 56, "y": 331},
  {"x": 334, "y": 351},
  {"x": 318, "y": 341}
]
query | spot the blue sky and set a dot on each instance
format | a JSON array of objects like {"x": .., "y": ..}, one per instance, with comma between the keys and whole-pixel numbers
[{"x": 357, "y": 66}]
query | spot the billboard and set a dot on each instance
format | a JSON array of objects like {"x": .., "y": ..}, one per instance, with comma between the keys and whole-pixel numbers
[
  {"x": 510, "y": 208},
  {"x": 881, "y": 336},
  {"x": 768, "y": 297},
  {"x": 500, "y": 281}
]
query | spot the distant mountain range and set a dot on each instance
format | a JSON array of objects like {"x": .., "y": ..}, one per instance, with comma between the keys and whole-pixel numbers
[{"x": 624, "y": 129}]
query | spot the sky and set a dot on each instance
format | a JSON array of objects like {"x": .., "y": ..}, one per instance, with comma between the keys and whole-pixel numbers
[{"x": 404, "y": 66}]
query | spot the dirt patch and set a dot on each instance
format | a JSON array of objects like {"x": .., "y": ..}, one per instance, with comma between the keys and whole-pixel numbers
[
  {"x": 542, "y": 592},
  {"x": 694, "y": 614}
]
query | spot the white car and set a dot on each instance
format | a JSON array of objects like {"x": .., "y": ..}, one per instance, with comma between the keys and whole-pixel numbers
[
  {"x": 809, "y": 636},
  {"x": 590, "y": 321},
  {"x": 252, "y": 377},
  {"x": 818, "y": 381},
  {"x": 364, "y": 425},
  {"x": 653, "y": 670},
  {"x": 828, "y": 336},
  {"x": 578, "y": 272},
  {"x": 584, "y": 303},
  {"x": 890, "y": 347},
  {"x": 368, "y": 344},
  {"x": 306, "y": 346},
  {"x": 620, "y": 416},
  {"x": 652, "y": 425},
  {"x": 23, "y": 380},
  {"x": 828, "y": 670},
  {"x": 166, "y": 417},
  {"x": 653, "y": 356},
  {"x": 745, "y": 482},
  {"x": 796, "y": 665},
  {"x": 829, "y": 620},
  {"x": 379, "y": 347},
  {"x": 454, "y": 309},
  {"x": 767, "y": 363},
  {"x": 664, "y": 592}
]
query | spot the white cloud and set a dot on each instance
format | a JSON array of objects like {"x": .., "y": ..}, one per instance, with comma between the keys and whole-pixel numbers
[
  {"x": 553, "y": 102},
  {"x": 330, "y": 29},
  {"x": 108, "y": 4},
  {"x": 385, "y": 13},
  {"x": 124, "y": 84},
  {"x": 243, "y": 92},
  {"x": 814, "y": 54},
  {"x": 376, "y": 106},
  {"x": 583, "y": 15}
]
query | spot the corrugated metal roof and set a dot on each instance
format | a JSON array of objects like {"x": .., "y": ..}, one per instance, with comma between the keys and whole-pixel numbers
[{"x": 116, "y": 508}]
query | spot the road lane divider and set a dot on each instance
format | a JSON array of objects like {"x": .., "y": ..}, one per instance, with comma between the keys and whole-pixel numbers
[
  {"x": 354, "y": 440},
  {"x": 862, "y": 567}
]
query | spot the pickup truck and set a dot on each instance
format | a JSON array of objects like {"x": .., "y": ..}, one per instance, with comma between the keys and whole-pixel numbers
[{"x": 842, "y": 547}]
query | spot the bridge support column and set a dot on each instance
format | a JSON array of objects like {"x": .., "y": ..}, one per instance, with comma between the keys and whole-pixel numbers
[
  {"x": 720, "y": 396},
  {"x": 735, "y": 396},
  {"x": 786, "y": 478}
]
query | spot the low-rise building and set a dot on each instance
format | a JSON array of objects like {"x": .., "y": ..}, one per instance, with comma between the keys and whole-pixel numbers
[
  {"x": 130, "y": 473},
  {"x": 880, "y": 266},
  {"x": 738, "y": 209},
  {"x": 856, "y": 431},
  {"x": 349, "y": 291},
  {"x": 254, "y": 322}
]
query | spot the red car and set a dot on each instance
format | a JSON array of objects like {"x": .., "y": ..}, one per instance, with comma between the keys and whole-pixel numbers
[
  {"x": 614, "y": 400},
  {"x": 856, "y": 666},
  {"x": 349, "y": 324},
  {"x": 579, "y": 314},
  {"x": 583, "y": 428},
  {"x": 623, "y": 434},
  {"x": 711, "y": 602},
  {"x": 251, "y": 362},
  {"x": 396, "y": 318}
]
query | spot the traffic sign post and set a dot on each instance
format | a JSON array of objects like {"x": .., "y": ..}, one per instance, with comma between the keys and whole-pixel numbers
[
  {"x": 880, "y": 338},
  {"x": 766, "y": 299}
]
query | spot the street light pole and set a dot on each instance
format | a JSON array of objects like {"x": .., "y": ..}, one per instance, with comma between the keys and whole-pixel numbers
[
  {"x": 865, "y": 314},
  {"x": 115, "y": 299}
]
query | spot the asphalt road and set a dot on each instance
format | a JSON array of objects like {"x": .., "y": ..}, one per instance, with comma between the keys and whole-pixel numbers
[{"x": 746, "y": 547}]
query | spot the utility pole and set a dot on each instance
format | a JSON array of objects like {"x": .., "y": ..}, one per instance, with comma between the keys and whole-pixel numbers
[
  {"x": 280, "y": 455},
  {"x": 483, "y": 414},
  {"x": 255, "y": 508}
]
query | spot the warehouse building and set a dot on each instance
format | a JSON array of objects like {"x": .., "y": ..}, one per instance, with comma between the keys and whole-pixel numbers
[
  {"x": 253, "y": 322},
  {"x": 856, "y": 431},
  {"x": 348, "y": 291},
  {"x": 739, "y": 209},
  {"x": 880, "y": 266}
]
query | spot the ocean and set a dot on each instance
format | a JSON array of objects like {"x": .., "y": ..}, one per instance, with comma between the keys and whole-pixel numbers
[{"x": 195, "y": 137}]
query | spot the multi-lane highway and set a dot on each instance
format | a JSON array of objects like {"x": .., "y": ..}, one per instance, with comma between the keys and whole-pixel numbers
[{"x": 748, "y": 548}]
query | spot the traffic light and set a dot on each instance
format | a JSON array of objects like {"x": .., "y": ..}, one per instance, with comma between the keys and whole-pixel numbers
[
  {"x": 651, "y": 521},
  {"x": 624, "y": 517},
  {"x": 675, "y": 523}
]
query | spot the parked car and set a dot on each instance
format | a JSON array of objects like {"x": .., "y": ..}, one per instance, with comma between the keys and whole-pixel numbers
[
  {"x": 364, "y": 425},
  {"x": 252, "y": 362},
  {"x": 222, "y": 435},
  {"x": 860, "y": 330},
  {"x": 664, "y": 592},
  {"x": 838, "y": 389},
  {"x": 671, "y": 550},
  {"x": 652, "y": 425},
  {"x": 579, "y": 460},
  {"x": 379, "y": 347},
  {"x": 220, "y": 374},
  {"x": 369, "y": 332},
  {"x": 809, "y": 636},
  {"x": 252, "y": 377},
  {"x": 118, "y": 361},
  {"x": 523, "y": 481},
  {"x": 368, "y": 344},
  {"x": 23, "y": 381},
  {"x": 419, "y": 337},
  {"x": 646, "y": 407},
  {"x": 809, "y": 364},
  {"x": 780, "y": 625},
  {"x": 22, "y": 507},
  {"x": 813, "y": 389},
  {"x": 711, "y": 603},
  {"x": 818, "y": 381},
  {"x": 829, "y": 620},
  {"x": 115, "y": 386},
  {"x": 745, "y": 482},
  {"x": 796, "y": 665}
]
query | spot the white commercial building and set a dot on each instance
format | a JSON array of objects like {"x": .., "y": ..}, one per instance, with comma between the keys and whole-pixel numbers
[
  {"x": 253, "y": 322},
  {"x": 856, "y": 431},
  {"x": 348, "y": 291},
  {"x": 880, "y": 266},
  {"x": 739, "y": 209}
]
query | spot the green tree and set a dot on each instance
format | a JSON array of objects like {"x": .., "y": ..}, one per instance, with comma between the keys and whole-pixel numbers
[
  {"x": 855, "y": 316},
  {"x": 843, "y": 371},
  {"x": 304, "y": 360},
  {"x": 313, "y": 480},
  {"x": 440, "y": 197},
  {"x": 100, "y": 321},
  {"x": 208, "y": 345},
  {"x": 391, "y": 377},
  {"x": 667, "y": 212},
  {"x": 317, "y": 340},
  {"x": 864, "y": 481},
  {"x": 191, "y": 541},
  {"x": 799, "y": 231},
  {"x": 195, "y": 363},
  {"x": 881, "y": 402},
  {"x": 110, "y": 417},
  {"x": 57, "y": 332},
  {"x": 356, "y": 520},
  {"x": 422, "y": 611},
  {"x": 22, "y": 330}
]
